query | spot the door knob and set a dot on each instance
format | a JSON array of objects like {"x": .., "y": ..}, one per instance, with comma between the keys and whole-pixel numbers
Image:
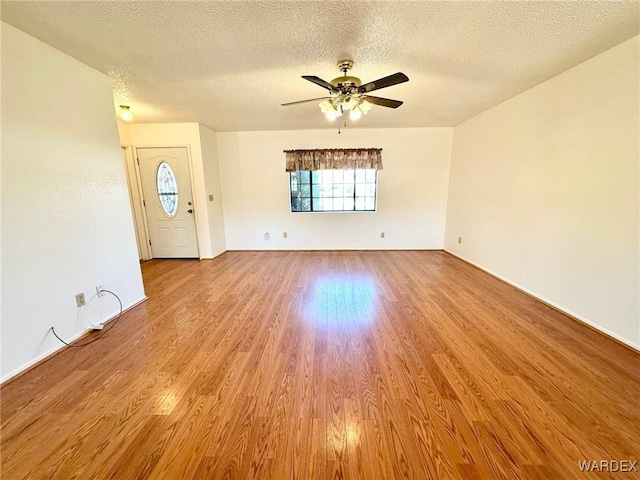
[{"x": 190, "y": 211}]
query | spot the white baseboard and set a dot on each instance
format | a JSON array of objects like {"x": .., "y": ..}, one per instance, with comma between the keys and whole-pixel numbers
[
  {"x": 348, "y": 249},
  {"x": 214, "y": 256},
  {"x": 51, "y": 352},
  {"x": 554, "y": 305}
]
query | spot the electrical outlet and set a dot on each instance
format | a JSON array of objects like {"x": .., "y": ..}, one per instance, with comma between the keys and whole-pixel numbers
[
  {"x": 284, "y": 234},
  {"x": 267, "y": 236},
  {"x": 459, "y": 239},
  {"x": 80, "y": 300},
  {"x": 381, "y": 234},
  {"x": 99, "y": 291}
]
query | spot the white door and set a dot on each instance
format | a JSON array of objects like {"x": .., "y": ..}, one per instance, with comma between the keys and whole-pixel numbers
[{"x": 168, "y": 201}]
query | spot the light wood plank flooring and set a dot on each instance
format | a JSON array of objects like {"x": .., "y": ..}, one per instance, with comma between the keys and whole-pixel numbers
[{"x": 327, "y": 365}]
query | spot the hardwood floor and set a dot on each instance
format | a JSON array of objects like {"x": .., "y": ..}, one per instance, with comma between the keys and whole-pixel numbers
[{"x": 328, "y": 365}]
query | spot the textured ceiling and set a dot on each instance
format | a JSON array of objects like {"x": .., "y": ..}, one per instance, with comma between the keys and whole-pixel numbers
[{"x": 230, "y": 65}]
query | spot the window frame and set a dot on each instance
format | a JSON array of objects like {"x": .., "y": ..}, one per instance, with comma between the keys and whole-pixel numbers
[{"x": 355, "y": 189}]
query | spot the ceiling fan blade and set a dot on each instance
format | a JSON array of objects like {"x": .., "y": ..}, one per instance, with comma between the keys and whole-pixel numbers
[
  {"x": 394, "y": 79},
  {"x": 319, "y": 81},
  {"x": 303, "y": 101},
  {"x": 383, "y": 102}
]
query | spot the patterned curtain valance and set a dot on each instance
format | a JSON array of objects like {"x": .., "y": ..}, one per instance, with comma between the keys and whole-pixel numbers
[{"x": 334, "y": 159}]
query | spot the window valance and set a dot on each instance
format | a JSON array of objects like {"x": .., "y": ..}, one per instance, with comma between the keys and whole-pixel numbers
[{"x": 334, "y": 159}]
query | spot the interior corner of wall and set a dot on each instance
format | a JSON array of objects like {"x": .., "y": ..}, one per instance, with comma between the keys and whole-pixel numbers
[{"x": 124, "y": 133}]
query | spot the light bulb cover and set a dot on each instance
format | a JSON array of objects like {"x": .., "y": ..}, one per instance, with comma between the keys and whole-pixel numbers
[
  {"x": 364, "y": 107},
  {"x": 330, "y": 110},
  {"x": 336, "y": 106},
  {"x": 125, "y": 113},
  {"x": 349, "y": 103}
]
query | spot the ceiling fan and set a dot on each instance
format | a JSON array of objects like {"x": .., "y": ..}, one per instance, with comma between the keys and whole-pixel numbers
[{"x": 347, "y": 93}]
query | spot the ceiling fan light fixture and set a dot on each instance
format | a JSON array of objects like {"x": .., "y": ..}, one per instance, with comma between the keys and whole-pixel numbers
[
  {"x": 364, "y": 107},
  {"x": 355, "y": 114},
  {"x": 330, "y": 110},
  {"x": 348, "y": 102},
  {"x": 361, "y": 108},
  {"x": 325, "y": 106},
  {"x": 348, "y": 94}
]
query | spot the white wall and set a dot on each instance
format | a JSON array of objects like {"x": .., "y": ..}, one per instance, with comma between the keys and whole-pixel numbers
[
  {"x": 412, "y": 191},
  {"x": 544, "y": 191},
  {"x": 211, "y": 168},
  {"x": 66, "y": 221},
  {"x": 188, "y": 134}
]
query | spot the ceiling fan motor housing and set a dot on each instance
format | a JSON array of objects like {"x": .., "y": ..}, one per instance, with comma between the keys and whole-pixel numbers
[{"x": 346, "y": 84}]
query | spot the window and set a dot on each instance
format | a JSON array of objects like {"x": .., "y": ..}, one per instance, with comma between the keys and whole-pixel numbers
[
  {"x": 333, "y": 190},
  {"x": 167, "y": 189}
]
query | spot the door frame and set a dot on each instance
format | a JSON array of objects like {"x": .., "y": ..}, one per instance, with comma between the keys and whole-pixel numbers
[
  {"x": 142, "y": 224},
  {"x": 135, "y": 199}
]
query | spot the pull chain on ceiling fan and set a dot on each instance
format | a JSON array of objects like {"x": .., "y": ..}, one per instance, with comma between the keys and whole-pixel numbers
[{"x": 347, "y": 94}]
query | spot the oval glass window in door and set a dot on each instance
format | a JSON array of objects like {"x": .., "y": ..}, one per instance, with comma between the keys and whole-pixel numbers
[{"x": 167, "y": 189}]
